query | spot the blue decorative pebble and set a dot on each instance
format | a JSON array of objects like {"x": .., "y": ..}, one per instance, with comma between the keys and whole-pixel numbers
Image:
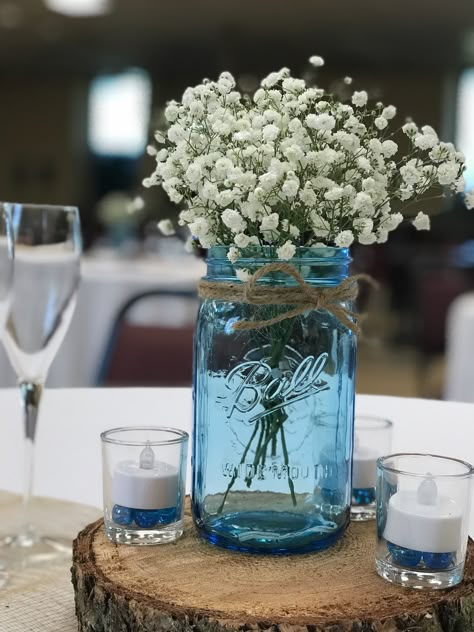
[
  {"x": 439, "y": 561},
  {"x": 404, "y": 557},
  {"x": 122, "y": 515},
  {"x": 363, "y": 496},
  {"x": 167, "y": 516},
  {"x": 149, "y": 518},
  {"x": 146, "y": 518}
]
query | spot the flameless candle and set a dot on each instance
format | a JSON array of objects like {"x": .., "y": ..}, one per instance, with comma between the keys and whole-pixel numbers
[
  {"x": 148, "y": 484},
  {"x": 364, "y": 472},
  {"x": 424, "y": 520},
  {"x": 423, "y": 506},
  {"x": 372, "y": 438},
  {"x": 144, "y": 474}
]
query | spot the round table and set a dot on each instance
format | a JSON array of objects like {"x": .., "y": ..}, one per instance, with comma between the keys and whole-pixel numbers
[{"x": 68, "y": 463}]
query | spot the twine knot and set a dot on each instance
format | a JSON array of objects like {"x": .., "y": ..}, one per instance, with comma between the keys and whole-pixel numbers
[{"x": 303, "y": 296}]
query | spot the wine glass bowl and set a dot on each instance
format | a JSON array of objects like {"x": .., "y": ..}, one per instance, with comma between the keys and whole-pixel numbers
[
  {"x": 47, "y": 259},
  {"x": 47, "y": 241},
  {"x": 6, "y": 279},
  {"x": 6, "y": 264}
]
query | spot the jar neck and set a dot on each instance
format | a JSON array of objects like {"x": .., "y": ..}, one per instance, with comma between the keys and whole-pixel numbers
[{"x": 323, "y": 266}]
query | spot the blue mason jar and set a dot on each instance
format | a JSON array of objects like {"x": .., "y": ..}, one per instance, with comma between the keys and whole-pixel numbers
[{"x": 273, "y": 413}]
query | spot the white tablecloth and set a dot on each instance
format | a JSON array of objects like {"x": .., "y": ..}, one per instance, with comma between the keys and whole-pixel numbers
[
  {"x": 68, "y": 464},
  {"x": 459, "y": 381},
  {"x": 106, "y": 285}
]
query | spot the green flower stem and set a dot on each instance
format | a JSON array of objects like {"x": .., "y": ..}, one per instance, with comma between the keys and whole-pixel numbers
[
  {"x": 248, "y": 479},
  {"x": 279, "y": 348},
  {"x": 274, "y": 423},
  {"x": 270, "y": 427},
  {"x": 274, "y": 445},
  {"x": 274, "y": 428},
  {"x": 242, "y": 460},
  {"x": 287, "y": 463}
]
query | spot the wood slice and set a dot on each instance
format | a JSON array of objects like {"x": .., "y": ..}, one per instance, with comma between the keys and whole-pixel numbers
[{"x": 193, "y": 586}]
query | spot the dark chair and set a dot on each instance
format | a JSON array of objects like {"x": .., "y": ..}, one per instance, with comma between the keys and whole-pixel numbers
[
  {"x": 436, "y": 290},
  {"x": 148, "y": 354}
]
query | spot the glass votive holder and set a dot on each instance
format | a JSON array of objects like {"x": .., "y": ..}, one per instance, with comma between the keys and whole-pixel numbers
[
  {"x": 144, "y": 478},
  {"x": 423, "y": 507},
  {"x": 372, "y": 439}
]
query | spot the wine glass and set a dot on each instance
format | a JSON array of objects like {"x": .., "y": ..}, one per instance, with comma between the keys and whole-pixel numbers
[
  {"x": 47, "y": 242},
  {"x": 6, "y": 277}
]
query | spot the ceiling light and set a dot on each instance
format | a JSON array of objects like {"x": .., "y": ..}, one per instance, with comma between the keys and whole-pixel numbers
[{"x": 79, "y": 8}]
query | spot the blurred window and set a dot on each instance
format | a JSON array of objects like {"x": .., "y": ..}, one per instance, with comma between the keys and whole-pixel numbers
[
  {"x": 465, "y": 123},
  {"x": 79, "y": 8},
  {"x": 119, "y": 113}
]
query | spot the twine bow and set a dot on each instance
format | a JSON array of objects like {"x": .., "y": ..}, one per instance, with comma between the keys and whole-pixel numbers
[{"x": 303, "y": 296}]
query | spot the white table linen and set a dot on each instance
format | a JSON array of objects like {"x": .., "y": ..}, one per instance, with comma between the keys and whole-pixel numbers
[
  {"x": 68, "y": 463},
  {"x": 69, "y": 466},
  {"x": 105, "y": 286}
]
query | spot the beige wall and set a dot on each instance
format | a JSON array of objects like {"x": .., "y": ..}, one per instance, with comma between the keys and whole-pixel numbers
[{"x": 42, "y": 138}]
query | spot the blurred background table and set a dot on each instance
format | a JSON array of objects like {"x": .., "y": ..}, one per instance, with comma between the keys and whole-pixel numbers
[
  {"x": 107, "y": 283},
  {"x": 82, "y": 97}
]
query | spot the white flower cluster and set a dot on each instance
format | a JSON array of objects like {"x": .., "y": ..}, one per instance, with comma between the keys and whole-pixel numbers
[{"x": 293, "y": 166}]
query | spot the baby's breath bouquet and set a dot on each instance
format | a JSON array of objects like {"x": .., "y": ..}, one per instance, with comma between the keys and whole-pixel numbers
[
  {"x": 295, "y": 166},
  {"x": 282, "y": 183}
]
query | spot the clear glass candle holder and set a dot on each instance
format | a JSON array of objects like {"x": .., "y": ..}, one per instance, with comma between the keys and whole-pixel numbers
[
  {"x": 144, "y": 478},
  {"x": 372, "y": 439},
  {"x": 423, "y": 507}
]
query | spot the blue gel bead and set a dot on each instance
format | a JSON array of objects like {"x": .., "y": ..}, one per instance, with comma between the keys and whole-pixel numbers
[
  {"x": 149, "y": 518},
  {"x": 146, "y": 518},
  {"x": 438, "y": 561},
  {"x": 363, "y": 496},
  {"x": 404, "y": 557},
  {"x": 122, "y": 515},
  {"x": 167, "y": 516}
]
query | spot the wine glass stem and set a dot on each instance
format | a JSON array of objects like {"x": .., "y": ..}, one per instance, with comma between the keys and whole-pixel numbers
[{"x": 30, "y": 396}]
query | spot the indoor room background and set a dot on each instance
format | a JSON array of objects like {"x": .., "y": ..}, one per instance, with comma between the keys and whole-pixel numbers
[{"x": 81, "y": 95}]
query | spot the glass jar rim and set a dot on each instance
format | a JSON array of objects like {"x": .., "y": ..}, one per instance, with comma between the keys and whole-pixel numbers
[
  {"x": 178, "y": 435},
  {"x": 382, "y": 464},
  {"x": 304, "y": 254},
  {"x": 382, "y": 423}
]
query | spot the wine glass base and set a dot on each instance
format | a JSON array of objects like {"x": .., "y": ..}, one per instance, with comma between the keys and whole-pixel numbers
[{"x": 21, "y": 551}]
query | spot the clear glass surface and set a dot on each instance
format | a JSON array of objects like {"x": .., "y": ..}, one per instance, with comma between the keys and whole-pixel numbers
[
  {"x": 46, "y": 276},
  {"x": 372, "y": 439},
  {"x": 144, "y": 479},
  {"x": 6, "y": 279},
  {"x": 6, "y": 264},
  {"x": 273, "y": 416},
  {"x": 423, "y": 509}
]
